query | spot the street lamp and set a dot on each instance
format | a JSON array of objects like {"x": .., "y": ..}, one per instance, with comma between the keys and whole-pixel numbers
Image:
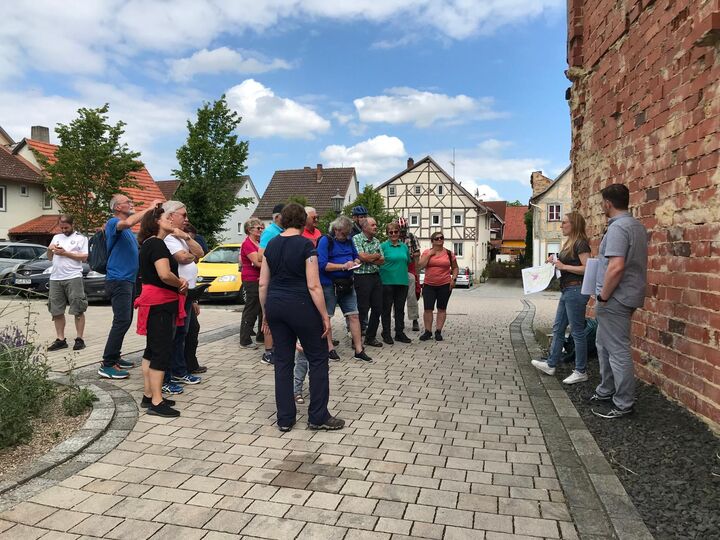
[{"x": 337, "y": 201}]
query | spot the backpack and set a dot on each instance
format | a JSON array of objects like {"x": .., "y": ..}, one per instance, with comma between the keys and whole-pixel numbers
[{"x": 98, "y": 252}]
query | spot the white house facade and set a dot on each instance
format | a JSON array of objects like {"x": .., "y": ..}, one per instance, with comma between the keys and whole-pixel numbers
[
  {"x": 233, "y": 227},
  {"x": 431, "y": 200},
  {"x": 551, "y": 200}
]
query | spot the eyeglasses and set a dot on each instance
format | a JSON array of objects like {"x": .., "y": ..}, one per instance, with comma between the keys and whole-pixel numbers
[
  {"x": 393, "y": 232},
  {"x": 438, "y": 238},
  {"x": 258, "y": 227}
]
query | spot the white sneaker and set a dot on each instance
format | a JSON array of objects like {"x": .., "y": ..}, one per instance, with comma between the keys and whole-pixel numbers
[
  {"x": 543, "y": 366},
  {"x": 576, "y": 377}
]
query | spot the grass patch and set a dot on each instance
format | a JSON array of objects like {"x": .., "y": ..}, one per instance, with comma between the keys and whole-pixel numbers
[{"x": 78, "y": 401}]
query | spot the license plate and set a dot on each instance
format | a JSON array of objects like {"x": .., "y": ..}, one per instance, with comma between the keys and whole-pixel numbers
[{"x": 22, "y": 281}]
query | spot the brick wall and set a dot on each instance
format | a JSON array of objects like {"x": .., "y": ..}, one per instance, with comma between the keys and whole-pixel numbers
[{"x": 645, "y": 112}]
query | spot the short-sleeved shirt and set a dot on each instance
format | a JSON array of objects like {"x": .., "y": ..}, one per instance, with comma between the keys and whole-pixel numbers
[
  {"x": 338, "y": 253},
  {"x": 122, "y": 249},
  {"x": 249, "y": 272},
  {"x": 187, "y": 271},
  {"x": 286, "y": 256},
  {"x": 625, "y": 237},
  {"x": 363, "y": 245},
  {"x": 65, "y": 267},
  {"x": 154, "y": 249},
  {"x": 566, "y": 257},
  {"x": 312, "y": 236},
  {"x": 439, "y": 268},
  {"x": 397, "y": 259},
  {"x": 270, "y": 232}
]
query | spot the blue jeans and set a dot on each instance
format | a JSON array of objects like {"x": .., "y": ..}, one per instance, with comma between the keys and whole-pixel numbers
[
  {"x": 121, "y": 295},
  {"x": 301, "y": 369},
  {"x": 571, "y": 309},
  {"x": 177, "y": 367}
]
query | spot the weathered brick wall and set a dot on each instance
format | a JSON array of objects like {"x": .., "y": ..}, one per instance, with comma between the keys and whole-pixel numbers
[{"x": 645, "y": 111}]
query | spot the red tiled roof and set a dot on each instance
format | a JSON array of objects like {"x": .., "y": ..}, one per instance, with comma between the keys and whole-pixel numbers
[
  {"x": 38, "y": 225},
  {"x": 498, "y": 207},
  {"x": 17, "y": 168},
  {"x": 168, "y": 187},
  {"x": 515, "y": 223}
]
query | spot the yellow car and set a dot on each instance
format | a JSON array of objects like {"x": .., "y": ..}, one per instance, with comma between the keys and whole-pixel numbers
[{"x": 221, "y": 269}]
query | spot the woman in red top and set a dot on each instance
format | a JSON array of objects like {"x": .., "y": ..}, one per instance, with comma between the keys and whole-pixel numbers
[
  {"x": 441, "y": 269},
  {"x": 251, "y": 263}
]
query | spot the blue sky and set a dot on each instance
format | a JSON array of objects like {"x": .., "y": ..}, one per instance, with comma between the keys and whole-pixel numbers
[{"x": 362, "y": 83}]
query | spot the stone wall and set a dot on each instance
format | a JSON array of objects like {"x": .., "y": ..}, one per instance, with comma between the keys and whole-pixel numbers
[{"x": 645, "y": 112}]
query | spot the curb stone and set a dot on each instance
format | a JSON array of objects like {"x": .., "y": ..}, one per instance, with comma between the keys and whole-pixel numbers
[{"x": 598, "y": 502}]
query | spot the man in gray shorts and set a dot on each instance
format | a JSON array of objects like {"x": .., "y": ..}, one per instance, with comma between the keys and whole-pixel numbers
[
  {"x": 620, "y": 290},
  {"x": 67, "y": 251}
]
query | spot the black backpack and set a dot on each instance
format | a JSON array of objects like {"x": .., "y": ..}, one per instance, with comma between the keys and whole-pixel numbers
[{"x": 98, "y": 252}]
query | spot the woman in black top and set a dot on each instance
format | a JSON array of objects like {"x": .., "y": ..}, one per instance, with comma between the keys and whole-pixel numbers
[
  {"x": 158, "y": 308},
  {"x": 571, "y": 308},
  {"x": 293, "y": 307}
]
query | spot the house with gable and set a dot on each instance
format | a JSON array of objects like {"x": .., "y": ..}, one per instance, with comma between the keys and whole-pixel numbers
[
  {"x": 431, "y": 200},
  {"x": 514, "y": 233},
  {"x": 21, "y": 191},
  {"x": 550, "y": 200}
]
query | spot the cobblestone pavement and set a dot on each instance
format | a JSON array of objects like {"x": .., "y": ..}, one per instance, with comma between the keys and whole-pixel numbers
[{"x": 441, "y": 442}]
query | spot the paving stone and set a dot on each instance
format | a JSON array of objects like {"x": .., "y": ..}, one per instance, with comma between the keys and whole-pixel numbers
[
  {"x": 354, "y": 534},
  {"x": 61, "y": 497},
  {"x": 395, "y": 526},
  {"x": 458, "y": 518},
  {"x": 427, "y": 530},
  {"x": 96, "y": 525},
  {"x": 137, "y": 508},
  {"x": 292, "y": 480},
  {"x": 22, "y": 532},
  {"x": 458, "y": 533},
  {"x": 268, "y": 508},
  {"x": 173, "y": 532},
  {"x": 228, "y": 521},
  {"x": 493, "y": 522},
  {"x": 316, "y": 531},
  {"x": 27, "y": 513},
  {"x": 63, "y": 520},
  {"x": 133, "y": 529},
  {"x": 327, "y": 501},
  {"x": 273, "y": 528},
  {"x": 537, "y": 527},
  {"x": 99, "y": 503}
]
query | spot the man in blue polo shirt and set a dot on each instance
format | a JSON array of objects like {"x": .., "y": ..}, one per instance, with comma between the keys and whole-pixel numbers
[
  {"x": 120, "y": 276},
  {"x": 270, "y": 232}
]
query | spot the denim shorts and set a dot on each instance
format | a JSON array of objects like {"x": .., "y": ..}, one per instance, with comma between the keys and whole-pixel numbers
[{"x": 347, "y": 302}]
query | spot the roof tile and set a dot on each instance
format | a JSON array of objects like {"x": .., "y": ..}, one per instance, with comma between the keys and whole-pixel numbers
[
  {"x": 17, "y": 168},
  {"x": 515, "y": 223}
]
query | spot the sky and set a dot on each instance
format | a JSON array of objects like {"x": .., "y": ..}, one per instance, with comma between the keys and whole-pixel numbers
[{"x": 362, "y": 83}]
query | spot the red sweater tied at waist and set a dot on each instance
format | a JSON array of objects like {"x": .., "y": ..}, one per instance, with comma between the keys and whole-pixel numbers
[{"x": 152, "y": 295}]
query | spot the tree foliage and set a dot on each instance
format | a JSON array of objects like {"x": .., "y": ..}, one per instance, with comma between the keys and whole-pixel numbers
[
  {"x": 371, "y": 199},
  {"x": 211, "y": 162},
  {"x": 528, "y": 257},
  {"x": 91, "y": 165},
  {"x": 299, "y": 199},
  {"x": 516, "y": 202}
]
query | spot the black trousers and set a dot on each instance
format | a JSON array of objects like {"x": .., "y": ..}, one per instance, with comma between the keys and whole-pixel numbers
[
  {"x": 251, "y": 311},
  {"x": 368, "y": 289},
  {"x": 394, "y": 296},
  {"x": 191, "y": 343},
  {"x": 291, "y": 319}
]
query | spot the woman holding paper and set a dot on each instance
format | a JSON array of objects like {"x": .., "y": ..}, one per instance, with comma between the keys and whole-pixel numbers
[{"x": 571, "y": 262}]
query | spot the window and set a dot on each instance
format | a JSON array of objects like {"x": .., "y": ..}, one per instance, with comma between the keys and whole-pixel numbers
[
  {"x": 414, "y": 220},
  {"x": 418, "y": 190},
  {"x": 391, "y": 191},
  {"x": 3, "y": 190},
  {"x": 458, "y": 249},
  {"x": 440, "y": 190},
  {"x": 435, "y": 219},
  {"x": 24, "y": 191},
  {"x": 457, "y": 218},
  {"x": 553, "y": 212},
  {"x": 47, "y": 201},
  {"x": 240, "y": 228}
]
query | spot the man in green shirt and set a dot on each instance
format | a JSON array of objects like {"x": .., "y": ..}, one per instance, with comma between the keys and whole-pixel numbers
[{"x": 368, "y": 286}]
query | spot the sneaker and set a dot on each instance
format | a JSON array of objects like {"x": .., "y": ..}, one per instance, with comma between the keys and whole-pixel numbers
[
  {"x": 438, "y": 335},
  {"x": 402, "y": 338},
  {"x": 172, "y": 388},
  {"x": 146, "y": 402},
  {"x": 163, "y": 409},
  {"x": 362, "y": 356},
  {"x": 373, "y": 342},
  {"x": 199, "y": 369},
  {"x": 249, "y": 345},
  {"x": 125, "y": 364},
  {"x": 57, "y": 345},
  {"x": 79, "y": 344},
  {"x": 416, "y": 326},
  {"x": 299, "y": 399},
  {"x": 267, "y": 358},
  {"x": 543, "y": 366},
  {"x": 333, "y": 355},
  {"x": 336, "y": 342},
  {"x": 387, "y": 339},
  {"x": 614, "y": 412},
  {"x": 285, "y": 429},
  {"x": 113, "y": 372},
  {"x": 576, "y": 377},
  {"x": 597, "y": 398},
  {"x": 330, "y": 424},
  {"x": 425, "y": 336},
  {"x": 186, "y": 379}
]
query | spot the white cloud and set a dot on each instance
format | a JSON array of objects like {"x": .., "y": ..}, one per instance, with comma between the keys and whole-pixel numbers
[
  {"x": 266, "y": 115},
  {"x": 342, "y": 118},
  {"x": 375, "y": 159},
  {"x": 422, "y": 108},
  {"x": 223, "y": 59}
]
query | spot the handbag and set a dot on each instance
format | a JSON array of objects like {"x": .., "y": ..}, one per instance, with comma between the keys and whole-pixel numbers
[{"x": 343, "y": 286}]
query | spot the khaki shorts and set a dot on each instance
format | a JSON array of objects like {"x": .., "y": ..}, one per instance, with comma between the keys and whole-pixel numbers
[{"x": 64, "y": 292}]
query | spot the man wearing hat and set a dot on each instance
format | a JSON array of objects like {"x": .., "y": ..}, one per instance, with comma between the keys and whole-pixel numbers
[
  {"x": 359, "y": 215},
  {"x": 270, "y": 232}
]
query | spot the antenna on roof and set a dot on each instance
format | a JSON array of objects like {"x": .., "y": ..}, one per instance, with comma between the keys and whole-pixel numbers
[{"x": 453, "y": 165}]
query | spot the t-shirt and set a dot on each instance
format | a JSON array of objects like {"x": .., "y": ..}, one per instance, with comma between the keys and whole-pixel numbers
[
  {"x": 439, "y": 269},
  {"x": 153, "y": 249},
  {"x": 65, "y": 267},
  {"x": 340, "y": 253},
  {"x": 397, "y": 259},
  {"x": 269, "y": 233},
  {"x": 249, "y": 272},
  {"x": 286, "y": 256},
  {"x": 581, "y": 246},
  {"x": 187, "y": 271},
  {"x": 369, "y": 246},
  {"x": 122, "y": 249},
  {"x": 312, "y": 236}
]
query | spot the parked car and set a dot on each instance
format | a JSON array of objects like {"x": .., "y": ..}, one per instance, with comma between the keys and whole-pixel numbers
[
  {"x": 464, "y": 278},
  {"x": 34, "y": 277},
  {"x": 14, "y": 253},
  {"x": 220, "y": 268}
]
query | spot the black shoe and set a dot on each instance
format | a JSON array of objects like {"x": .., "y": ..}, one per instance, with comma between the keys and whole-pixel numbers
[
  {"x": 333, "y": 355},
  {"x": 58, "y": 344},
  {"x": 416, "y": 326},
  {"x": 362, "y": 356},
  {"x": 372, "y": 342},
  {"x": 252, "y": 332},
  {"x": 260, "y": 338},
  {"x": 335, "y": 342},
  {"x": 613, "y": 412},
  {"x": 402, "y": 338},
  {"x": 330, "y": 424},
  {"x": 387, "y": 339},
  {"x": 438, "y": 335},
  {"x": 146, "y": 401},
  {"x": 426, "y": 335},
  {"x": 79, "y": 344},
  {"x": 163, "y": 409},
  {"x": 597, "y": 398},
  {"x": 285, "y": 429},
  {"x": 199, "y": 369}
]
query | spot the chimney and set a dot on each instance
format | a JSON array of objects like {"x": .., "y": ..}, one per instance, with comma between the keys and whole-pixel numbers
[
  {"x": 410, "y": 163},
  {"x": 40, "y": 133},
  {"x": 318, "y": 178},
  {"x": 539, "y": 182}
]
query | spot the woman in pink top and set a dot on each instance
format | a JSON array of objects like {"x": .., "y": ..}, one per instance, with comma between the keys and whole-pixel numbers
[
  {"x": 441, "y": 269},
  {"x": 251, "y": 262}
]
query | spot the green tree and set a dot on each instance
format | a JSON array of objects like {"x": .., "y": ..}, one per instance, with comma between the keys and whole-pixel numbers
[
  {"x": 91, "y": 165},
  {"x": 371, "y": 199},
  {"x": 528, "y": 258},
  {"x": 515, "y": 203},
  {"x": 211, "y": 162},
  {"x": 299, "y": 199}
]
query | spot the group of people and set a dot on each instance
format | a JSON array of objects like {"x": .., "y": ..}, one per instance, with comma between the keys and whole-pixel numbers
[{"x": 619, "y": 291}]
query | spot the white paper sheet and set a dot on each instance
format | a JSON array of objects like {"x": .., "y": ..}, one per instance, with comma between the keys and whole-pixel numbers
[
  {"x": 590, "y": 277},
  {"x": 537, "y": 278}
]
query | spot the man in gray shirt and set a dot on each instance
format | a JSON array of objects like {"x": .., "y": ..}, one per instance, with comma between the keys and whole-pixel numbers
[{"x": 620, "y": 290}]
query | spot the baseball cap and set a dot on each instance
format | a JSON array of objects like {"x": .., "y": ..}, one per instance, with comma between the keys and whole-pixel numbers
[
  {"x": 359, "y": 211},
  {"x": 278, "y": 208}
]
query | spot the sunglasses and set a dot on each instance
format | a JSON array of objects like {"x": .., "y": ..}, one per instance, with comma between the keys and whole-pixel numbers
[
  {"x": 393, "y": 232},
  {"x": 438, "y": 238}
]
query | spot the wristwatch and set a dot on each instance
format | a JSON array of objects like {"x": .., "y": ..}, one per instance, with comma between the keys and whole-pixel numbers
[{"x": 600, "y": 298}]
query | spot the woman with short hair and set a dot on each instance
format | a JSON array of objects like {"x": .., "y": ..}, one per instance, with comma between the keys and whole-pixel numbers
[
  {"x": 250, "y": 263},
  {"x": 394, "y": 278},
  {"x": 441, "y": 269}
]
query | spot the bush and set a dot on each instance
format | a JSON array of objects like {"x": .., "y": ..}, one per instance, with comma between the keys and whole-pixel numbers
[
  {"x": 78, "y": 401},
  {"x": 24, "y": 387},
  {"x": 504, "y": 270}
]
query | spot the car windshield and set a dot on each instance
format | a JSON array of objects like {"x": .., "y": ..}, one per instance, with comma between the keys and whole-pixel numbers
[{"x": 223, "y": 255}]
